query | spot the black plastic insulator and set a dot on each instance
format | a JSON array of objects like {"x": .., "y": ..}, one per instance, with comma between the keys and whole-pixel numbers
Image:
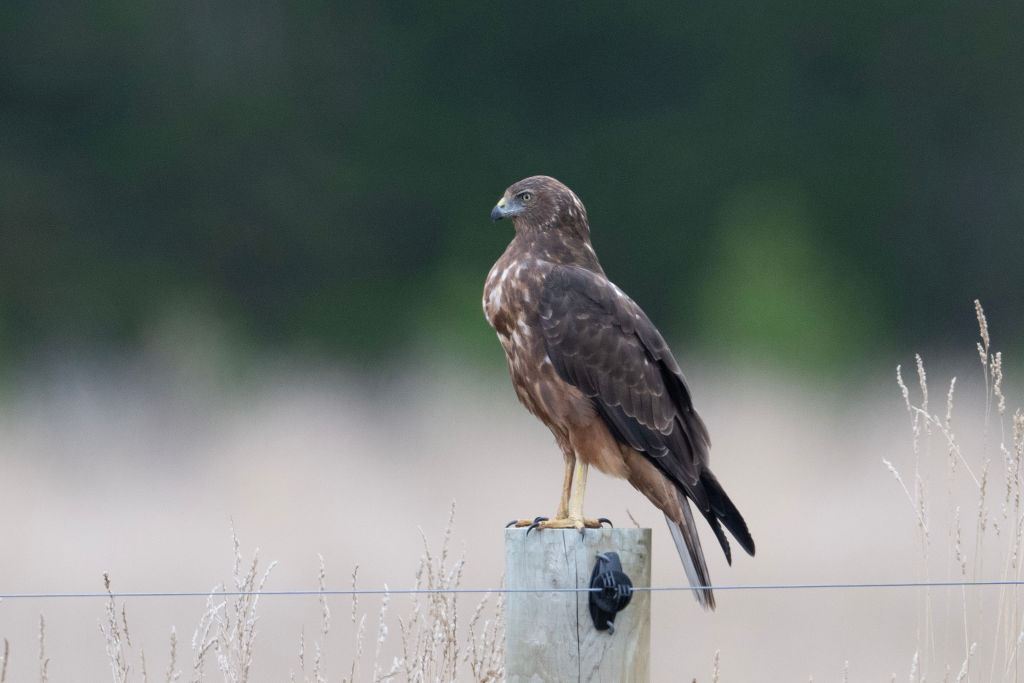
[{"x": 616, "y": 590}]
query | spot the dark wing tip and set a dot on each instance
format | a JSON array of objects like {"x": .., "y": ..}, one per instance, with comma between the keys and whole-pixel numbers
[{"x": 722, "y": 508}]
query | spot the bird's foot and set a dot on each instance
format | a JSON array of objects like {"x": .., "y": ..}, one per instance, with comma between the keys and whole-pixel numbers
[{"x": 578, "y": 523}]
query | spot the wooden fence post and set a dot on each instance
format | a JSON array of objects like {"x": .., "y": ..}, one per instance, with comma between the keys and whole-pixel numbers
[{"x": 549, "y": 636}]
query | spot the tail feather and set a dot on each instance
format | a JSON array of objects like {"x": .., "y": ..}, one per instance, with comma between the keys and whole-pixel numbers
[
  {"x": 688, "y": 545},
  {"x": 719, "y": 534},
  {"x": 722, "y": 508}
]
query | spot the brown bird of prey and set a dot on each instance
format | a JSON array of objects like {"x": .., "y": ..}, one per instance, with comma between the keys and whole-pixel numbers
[{"x": 591, "y": 366}]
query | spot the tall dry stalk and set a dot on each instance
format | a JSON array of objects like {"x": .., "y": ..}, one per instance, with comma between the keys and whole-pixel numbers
[
  {"x": 434, "y": 644},
  {"x": 227, "y": 628},
  {"x": 987, "y": 633},
  {"x": 172, "y": 673},
  {"x": 118, "y": 640},
  {"x": 44, "y": 661},
  {"x": 485, "y": 651},
  {"x": 319, "y": 645},
  {"x": 429, "y": 640},
  {"x": 116, "y": 635}
]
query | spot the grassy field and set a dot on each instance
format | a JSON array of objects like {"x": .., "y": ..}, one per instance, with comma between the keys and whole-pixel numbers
[{"x": 140, "y": 470}]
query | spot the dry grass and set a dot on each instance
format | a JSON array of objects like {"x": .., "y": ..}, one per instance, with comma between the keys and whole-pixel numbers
[
  {"x": 433, "y": 647},
  {"x": 226, "y": 631},
  {"x": 44, "y": 661},
  {"x": 431, "y": 642},
  {"x": 317, "y": 676},
  {"x": 972, "y": 531}
]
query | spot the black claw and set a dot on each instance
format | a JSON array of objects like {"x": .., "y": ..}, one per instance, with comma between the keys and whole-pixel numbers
[
  {"x": 511, "y": 523},
  {"x": 536, "y": 523},
  {"x": 605, "y": 520}
]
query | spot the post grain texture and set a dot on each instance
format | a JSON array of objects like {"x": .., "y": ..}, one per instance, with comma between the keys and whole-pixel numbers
[{"x": 549, "y": 636}]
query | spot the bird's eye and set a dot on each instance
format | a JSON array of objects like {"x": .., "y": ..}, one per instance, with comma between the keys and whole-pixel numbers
[{"x": 525, "y": 196}]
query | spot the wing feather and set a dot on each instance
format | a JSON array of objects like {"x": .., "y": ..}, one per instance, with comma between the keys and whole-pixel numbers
[{"x": 602, "y": 343}]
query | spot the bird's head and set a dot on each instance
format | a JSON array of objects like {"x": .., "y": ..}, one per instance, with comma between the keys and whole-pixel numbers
[{"x": 541, "y": 203}]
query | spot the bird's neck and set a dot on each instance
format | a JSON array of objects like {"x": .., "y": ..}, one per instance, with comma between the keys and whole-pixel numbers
[{"x": 560, "y": 249}]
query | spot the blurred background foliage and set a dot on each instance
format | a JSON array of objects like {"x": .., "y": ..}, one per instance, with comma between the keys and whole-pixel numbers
[{"x": 799, "y": 182}]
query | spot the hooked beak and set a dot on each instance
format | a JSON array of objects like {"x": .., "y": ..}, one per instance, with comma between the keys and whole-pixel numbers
[
  {"x": 505, "y": 208},
  {"x": 498, "y": 212}
]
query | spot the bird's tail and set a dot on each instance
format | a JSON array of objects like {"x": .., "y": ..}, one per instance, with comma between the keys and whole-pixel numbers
[
  {"x": 684, "y": 533},
  {"x": 721, "y": 509}
]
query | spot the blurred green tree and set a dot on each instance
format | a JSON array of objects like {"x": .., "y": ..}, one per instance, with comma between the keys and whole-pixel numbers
[{"x": 804, "y": 180}]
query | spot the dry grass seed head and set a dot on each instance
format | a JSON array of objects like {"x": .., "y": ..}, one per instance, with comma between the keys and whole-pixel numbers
[
  {"x": 355, "y": 595},
  {"x": 949, "y": 403},
  {"x": 382, "y": 632},
  {"x": 903, "y": 388},
  {"x": 983, "y": 346},
  {"x": 325, "y": 610},
  {"x": 961, "y": 559},
  {"x": 360, "y": 636},
  {"x": 997, "y": 381},
  {"x": 172, "y": 674},
  {"x": 206, "y": 637},
  {"x": 116, "y": 635},
  {"x": 922, "y": 380},
  {"x": 44, "y": 661},
  {"x": 325, "y": 622}
]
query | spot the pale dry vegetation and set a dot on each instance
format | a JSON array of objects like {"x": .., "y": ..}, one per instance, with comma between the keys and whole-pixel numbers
[
  {"x": 433, "y": 644},
  {"x": 967, "y": 502}
]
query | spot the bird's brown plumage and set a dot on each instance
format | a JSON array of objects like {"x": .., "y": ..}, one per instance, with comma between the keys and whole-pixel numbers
[{"x": 589, "y": 363}]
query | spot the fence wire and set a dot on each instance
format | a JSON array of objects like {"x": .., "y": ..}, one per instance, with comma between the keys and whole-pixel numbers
[{"x": 427, "y": 591}]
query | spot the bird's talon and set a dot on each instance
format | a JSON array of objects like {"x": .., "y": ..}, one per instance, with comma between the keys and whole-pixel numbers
[
  {"x": 605, "y": 520},
  {"x": 536, "y": 524},
  {"x": 580, "y": 524}
]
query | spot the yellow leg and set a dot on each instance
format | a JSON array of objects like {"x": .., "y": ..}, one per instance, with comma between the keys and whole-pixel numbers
[
  {"x": 567, "y": 517},
  {"x": 579, "y": 485},
  {"x": 563, "y": 502}
]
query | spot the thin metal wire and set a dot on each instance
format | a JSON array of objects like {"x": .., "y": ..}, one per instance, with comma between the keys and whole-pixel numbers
[{"x": 427, "y": 591}]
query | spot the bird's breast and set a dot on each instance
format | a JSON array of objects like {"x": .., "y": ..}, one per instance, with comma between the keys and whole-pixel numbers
[
  {"x": 511, "y": 298},
  {"x": 511, "y": 293}
]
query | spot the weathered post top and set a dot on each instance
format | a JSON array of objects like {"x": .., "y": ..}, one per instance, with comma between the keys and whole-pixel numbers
[{"x": 550, "y": 636}]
